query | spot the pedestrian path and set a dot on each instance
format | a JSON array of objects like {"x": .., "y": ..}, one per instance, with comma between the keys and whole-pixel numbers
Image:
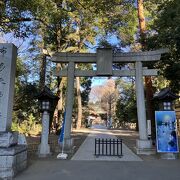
[{"x": 86, "y": 150}]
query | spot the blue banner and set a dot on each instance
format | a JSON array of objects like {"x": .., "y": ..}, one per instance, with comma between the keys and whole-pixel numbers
[
  {"x": 61, "y": 136},
  {"x": 166, "y": 132}
]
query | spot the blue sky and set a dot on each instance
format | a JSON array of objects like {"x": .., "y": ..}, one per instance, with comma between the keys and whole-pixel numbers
[
  {"x": 24, "y": 45},
  {"x": 98, "y": 81}
]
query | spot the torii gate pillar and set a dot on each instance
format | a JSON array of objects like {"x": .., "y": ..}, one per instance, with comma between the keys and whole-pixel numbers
[
  {"x": 142, "y": 144},
  {"x": 69, "y": 106}
]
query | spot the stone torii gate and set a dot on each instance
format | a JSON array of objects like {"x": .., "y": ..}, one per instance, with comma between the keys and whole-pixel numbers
[{"x": 104, "y": 58}]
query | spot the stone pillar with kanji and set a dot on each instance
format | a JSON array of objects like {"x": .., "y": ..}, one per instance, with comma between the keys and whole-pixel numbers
[{"x": 13, "y": 156}]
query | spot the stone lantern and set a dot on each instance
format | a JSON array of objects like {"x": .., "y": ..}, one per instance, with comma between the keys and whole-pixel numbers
[
  {"x": 47, "y": 103},
  {"x": 165, "y": 99}
]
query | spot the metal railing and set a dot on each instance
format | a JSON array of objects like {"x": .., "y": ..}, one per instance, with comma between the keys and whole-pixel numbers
[{"x": 108, "y": 147}]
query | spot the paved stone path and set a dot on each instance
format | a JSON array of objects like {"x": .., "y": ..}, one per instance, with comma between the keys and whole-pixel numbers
[{"x": 86, "y": 150}]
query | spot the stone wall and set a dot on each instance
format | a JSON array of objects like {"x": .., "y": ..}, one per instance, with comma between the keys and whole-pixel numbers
[
  {"x": 33, "y": 143},
  {"x": 12, "y": 160}
]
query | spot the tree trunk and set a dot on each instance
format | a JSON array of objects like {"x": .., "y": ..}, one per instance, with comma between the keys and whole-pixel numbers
[
  {"x": 149, "y": 104},
  {"x": 142, "y": 23},
  {"x": 79, "y": 118},
  {"x": 59, "y": 79},
  {"x": 148, "y": 81},
  {"x": 42, "y": 80},
  {"x": 60, "y": 87},
  {"x": 42, "y": 72},
  {"x": 110, "y": 111},
  {"x": 58, "y": 113}
]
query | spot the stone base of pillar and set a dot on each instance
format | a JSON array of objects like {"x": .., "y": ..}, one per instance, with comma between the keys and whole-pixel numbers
[
  {"x": 169, "y": 156},
  {"x": 8, "y": 139},
  {"x": 44, "y": 150},
  {"x": 68, "y": 145},
  {"x": 12, "y": 160},
  {"x": 144, "y": 147}
]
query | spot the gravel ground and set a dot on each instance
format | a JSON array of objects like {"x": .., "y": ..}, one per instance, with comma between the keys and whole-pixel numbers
[
  {"x": 33, "y": 142},
  {"x": 128, "y": 136}
]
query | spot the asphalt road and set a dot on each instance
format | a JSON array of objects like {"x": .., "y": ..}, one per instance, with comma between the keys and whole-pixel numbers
[{"x": 101, "y": 170}]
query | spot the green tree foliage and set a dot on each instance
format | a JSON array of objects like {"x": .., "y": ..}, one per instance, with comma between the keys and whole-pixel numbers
[
  {"x": 165, "y": 33},
  {"x": 74, "y": 26},
  {"x": 118, "y": 18},
  {"x": 126, "y": 104},
  {"x": 24, "y": 101},
  {"x": 15, "y": 17},
  {"x": 30, "y": 126},
  {"x": 86, "y": 88},
  {"x": 25, "y": 109}
]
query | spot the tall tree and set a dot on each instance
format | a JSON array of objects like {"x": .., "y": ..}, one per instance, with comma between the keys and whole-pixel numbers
[
  {"x": 148, "y": 81},
  {"x": 166, "y": 34}
]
